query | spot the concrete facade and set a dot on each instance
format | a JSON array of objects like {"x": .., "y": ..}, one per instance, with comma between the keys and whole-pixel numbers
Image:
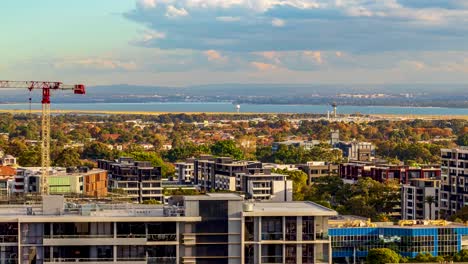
[
  {"x": 203, "y": 229},
  {"x": 454, "y": 193},
  {"x": 415, "y": 199}
]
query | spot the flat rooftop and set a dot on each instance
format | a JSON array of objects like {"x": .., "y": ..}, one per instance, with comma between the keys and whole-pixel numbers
[
  {"x": 215, "y": 196},
  {"x": 289, "y": 209}
]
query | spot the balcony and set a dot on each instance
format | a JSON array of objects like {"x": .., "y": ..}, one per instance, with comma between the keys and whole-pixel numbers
[
  {"x": 162, "y": 260},
  {"x": 272, "y": 259},
  {"x": 273, "y": 236},
  {"x": 95, "y": 260},
  {"x": 94, "y": 240},
  {"x": 8, "y": 239},
  {"x": 161, "y": 237}
]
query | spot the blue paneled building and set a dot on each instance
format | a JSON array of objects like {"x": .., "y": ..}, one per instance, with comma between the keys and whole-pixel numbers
[{"x": 353, "y": 243}]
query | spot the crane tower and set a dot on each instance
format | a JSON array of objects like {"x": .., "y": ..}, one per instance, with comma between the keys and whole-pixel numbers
[{"x": 46, "y": 88}]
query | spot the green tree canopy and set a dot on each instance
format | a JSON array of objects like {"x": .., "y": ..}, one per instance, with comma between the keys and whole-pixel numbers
[
  {"x": 299, "y": 179},
  {"x": 68, "y": 157},
  {"x": 97, "y": 150},
  {"x": 226, "y": 148},
  {"x": 462, "y": 140},
  {"x": 382, "y": 256},
  {"x": 167, "y": 169}
]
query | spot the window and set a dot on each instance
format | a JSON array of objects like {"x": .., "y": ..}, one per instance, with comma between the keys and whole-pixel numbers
[
  {"x": 272, "y": 253},
  {"x": 308, "y": 227},
  {"x": 272, "y": 228}
]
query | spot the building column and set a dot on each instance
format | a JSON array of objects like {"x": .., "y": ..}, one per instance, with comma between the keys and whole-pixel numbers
[
  {"x": 114, "y": 248},
  {"x": 178, "y": 242},
  {"x": 299, "y": 238},
  {"x": 2, "y": 255},
  {"x": 258, "y": 227}
]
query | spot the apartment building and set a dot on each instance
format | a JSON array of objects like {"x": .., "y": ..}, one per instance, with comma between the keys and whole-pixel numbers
[
  {"x": 185, "y": 171},
  {"x": 356, "y": 150},
  {"x": 203, "y": 229},
  {"x": 454, "y": 193},
  {"x": 264, "y": 185},
  {"x": 138, "y": 180},
  {"x": 251, "y": 178},
  {"x": 420, "y": 199},
  {"x": 67, "y": 181},
  {"x": 382, "y": 172},
  {"x": 317, "y": 169},
  {"x": 220, "y": 173}
]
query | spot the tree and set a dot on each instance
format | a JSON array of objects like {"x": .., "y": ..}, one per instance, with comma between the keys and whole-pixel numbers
[
  {"x": 97, "y": 150},
  {"x": 167, "y": 169},
  {"x": 382, "y": 256},
  {"x": 425, "y": 257},
  {"x": 226, "y": 148},
  {"x": 30, "y": 158},
  {"x": 430, "y": 200},
  {"x": 68, "y": 157},
  {"x": 461, "y": 214},
  {"x": 462, "y": 140},
  {"x": 299, "y": 179}
]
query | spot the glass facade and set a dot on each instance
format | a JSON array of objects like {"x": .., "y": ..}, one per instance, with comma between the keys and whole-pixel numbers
[{"x": 407, "y": 241}]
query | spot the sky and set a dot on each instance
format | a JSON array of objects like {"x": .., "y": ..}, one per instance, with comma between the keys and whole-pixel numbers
[{"x": 193, "y": 42}]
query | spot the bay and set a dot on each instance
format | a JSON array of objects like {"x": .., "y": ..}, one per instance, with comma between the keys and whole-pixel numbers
[{"x": 215, "y": 107}]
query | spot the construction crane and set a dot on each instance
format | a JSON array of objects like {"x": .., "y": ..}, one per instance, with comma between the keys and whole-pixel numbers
[{"x": 46, "y": 88}]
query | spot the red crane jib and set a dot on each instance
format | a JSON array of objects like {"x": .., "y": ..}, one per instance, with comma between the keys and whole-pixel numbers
[{"x": 44, "y": 86}]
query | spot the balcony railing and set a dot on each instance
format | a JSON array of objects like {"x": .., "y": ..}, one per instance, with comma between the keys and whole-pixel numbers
[
  {"x": 80, "y": 260},
  {"x": 273, "y": 236},
  {"x": 119, "y": 259},
  {"x": 8, "y": 239},
  {"x": 162, "y": 237},
  {"x": 162, "y": 260},
  {"x": 56, "y": 236},
  {"x": 272, "y": 259}
]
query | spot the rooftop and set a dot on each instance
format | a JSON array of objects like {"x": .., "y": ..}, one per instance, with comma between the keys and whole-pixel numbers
[
  {"x": 215, "y": 196},
  {"x": 288, "y": 209}
]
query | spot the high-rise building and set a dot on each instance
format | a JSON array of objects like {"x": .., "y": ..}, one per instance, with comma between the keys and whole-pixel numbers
[
  {"x": 454, "y": 193},
  {"x": 202, "y": 229}
]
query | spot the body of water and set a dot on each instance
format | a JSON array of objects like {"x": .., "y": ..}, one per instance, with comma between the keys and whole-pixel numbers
[{"x": 187, "y": 107}]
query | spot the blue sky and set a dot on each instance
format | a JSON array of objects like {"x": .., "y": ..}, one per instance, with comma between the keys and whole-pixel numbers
[{"x": 186, "y": 42}]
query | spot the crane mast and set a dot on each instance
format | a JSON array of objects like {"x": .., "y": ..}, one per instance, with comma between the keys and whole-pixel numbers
[{"x": 46, "y": 88}]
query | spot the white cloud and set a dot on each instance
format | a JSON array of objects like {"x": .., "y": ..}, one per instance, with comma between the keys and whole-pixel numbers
[
  {"x": 261, "y": 66},
  {"x": 228, "y": 19},
  {"x": 147, "y": 3},
  {"x": 97, "y": 64},
  {"x": 173, "y": 11},
  {"x": 149, "y": 35},
  {"x": 213, "y": 55},
  {"x": 315, "y": 55},
  {"x": 276, "y": 22}
]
